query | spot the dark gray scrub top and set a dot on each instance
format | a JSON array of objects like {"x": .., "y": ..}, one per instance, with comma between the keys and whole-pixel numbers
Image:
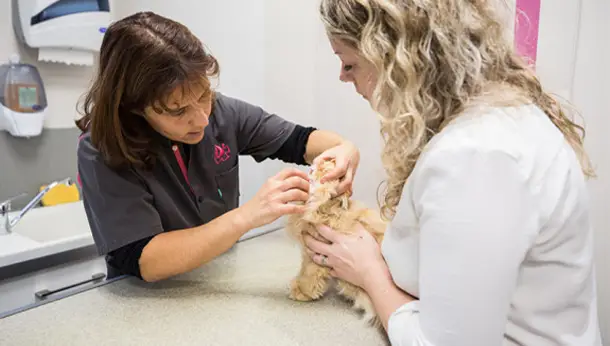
[{"x": 128, "y": 205}]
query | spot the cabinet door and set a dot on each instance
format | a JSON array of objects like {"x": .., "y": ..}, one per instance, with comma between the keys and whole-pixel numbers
[{"x": 51, "y": 283}]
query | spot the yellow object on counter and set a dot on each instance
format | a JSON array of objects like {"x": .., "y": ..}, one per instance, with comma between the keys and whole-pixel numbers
[{"x": 60, "y": 194}]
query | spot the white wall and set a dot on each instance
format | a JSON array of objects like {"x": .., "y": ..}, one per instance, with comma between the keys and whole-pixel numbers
[
  {"x": 573, "y": 57},
  {"x": 302, "y": 83},
  {"x": 558, "y": 36},
  {"x": 591, "y": 94}
]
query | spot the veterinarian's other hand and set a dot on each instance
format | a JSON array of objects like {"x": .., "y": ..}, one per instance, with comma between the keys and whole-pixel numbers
[
  {"x": 354, "y": 258},
  {"x": 347, "y": 158},
  {"x": 276, "y": 197}
]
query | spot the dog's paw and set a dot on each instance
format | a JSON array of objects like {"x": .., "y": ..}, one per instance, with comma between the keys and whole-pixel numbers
[{"x": 296, "y": 293}]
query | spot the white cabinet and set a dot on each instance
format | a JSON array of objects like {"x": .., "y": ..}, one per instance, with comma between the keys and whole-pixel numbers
[{"x": 19, "y": 292}]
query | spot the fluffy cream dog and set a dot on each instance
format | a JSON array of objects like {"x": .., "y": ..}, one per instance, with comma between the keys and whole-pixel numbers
[{"x": 341, "y": 214}]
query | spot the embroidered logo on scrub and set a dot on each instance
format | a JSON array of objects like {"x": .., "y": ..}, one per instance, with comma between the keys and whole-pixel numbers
[{"x": 221, "y": 153}]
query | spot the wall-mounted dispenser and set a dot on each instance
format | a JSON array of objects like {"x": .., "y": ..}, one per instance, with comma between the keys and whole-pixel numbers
[
  {"x": 22, "y": 99},
  {"x": 66, "y": 31}
]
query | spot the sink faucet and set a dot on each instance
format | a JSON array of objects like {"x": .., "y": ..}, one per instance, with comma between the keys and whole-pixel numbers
[{"x": 6, "y": 223}]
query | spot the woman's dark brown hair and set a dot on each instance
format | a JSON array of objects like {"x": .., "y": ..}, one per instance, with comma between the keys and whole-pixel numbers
[{"x": 143, "y": 58}]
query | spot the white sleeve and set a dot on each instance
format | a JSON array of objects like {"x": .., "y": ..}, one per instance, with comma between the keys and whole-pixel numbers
[{"x": 476, "y": 218}]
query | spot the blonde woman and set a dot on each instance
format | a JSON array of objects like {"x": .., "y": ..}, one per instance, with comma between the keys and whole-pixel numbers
[{"x": 490, "y": 241}]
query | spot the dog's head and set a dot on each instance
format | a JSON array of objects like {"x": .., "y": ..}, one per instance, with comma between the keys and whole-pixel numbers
[{"x": 324, "y": 195}]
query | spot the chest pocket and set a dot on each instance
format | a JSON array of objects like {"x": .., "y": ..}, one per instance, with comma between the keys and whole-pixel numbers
[{"x": 227, "y": 183}]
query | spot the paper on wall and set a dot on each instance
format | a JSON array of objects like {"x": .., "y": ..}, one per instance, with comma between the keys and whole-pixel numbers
[{"x": 66, "y": 56}]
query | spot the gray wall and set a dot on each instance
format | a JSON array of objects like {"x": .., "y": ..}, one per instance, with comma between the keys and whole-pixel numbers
[{"x": 26, "y": 164}]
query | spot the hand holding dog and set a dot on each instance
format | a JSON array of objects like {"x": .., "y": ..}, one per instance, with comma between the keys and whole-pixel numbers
[
  {"x": 355, "y": 258},
  {"x": 347, "y": 158},
  {"x": 277, "y": 198}
]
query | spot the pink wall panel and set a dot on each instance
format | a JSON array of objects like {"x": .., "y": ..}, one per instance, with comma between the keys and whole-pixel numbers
[{"x": 526, "y": 29}]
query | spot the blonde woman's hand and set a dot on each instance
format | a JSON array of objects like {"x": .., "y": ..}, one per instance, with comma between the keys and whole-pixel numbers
[
  {"x": 355, "y": 258},
  {"x": 347, "y": 158},
  {"x": 277, "y": 197}
]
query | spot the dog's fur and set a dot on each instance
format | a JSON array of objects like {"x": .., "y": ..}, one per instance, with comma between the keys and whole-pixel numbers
[{"x": 341, "y": 214}]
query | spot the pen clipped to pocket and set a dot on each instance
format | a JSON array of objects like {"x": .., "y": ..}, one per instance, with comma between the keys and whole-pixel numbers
[{"x": 227, "y": 187}]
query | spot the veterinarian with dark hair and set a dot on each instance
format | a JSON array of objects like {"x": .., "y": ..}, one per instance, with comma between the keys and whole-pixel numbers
[{"x": 158, "y": 158}]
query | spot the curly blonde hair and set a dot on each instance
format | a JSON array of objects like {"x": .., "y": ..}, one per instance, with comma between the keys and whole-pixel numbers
[{"x": 435, "y": 58}]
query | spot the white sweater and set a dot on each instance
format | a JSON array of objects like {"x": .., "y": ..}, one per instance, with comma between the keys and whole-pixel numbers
[{"x": 493, "y": 235}]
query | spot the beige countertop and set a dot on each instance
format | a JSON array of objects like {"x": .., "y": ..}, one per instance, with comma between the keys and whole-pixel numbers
[{"x": 241, "y": 298}]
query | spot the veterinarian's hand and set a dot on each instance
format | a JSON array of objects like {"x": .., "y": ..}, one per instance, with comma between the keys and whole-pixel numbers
[
  {"x": 354, "y": 258},
  {"x": 276, "y": 198},
  {"x": 347, "y": 158}
]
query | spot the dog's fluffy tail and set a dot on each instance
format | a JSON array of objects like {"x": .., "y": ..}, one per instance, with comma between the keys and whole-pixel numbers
[{"x": 361, "y": 301}]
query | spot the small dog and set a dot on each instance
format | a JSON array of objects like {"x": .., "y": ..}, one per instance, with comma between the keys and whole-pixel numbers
[{"x": 341, "y": 214}]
